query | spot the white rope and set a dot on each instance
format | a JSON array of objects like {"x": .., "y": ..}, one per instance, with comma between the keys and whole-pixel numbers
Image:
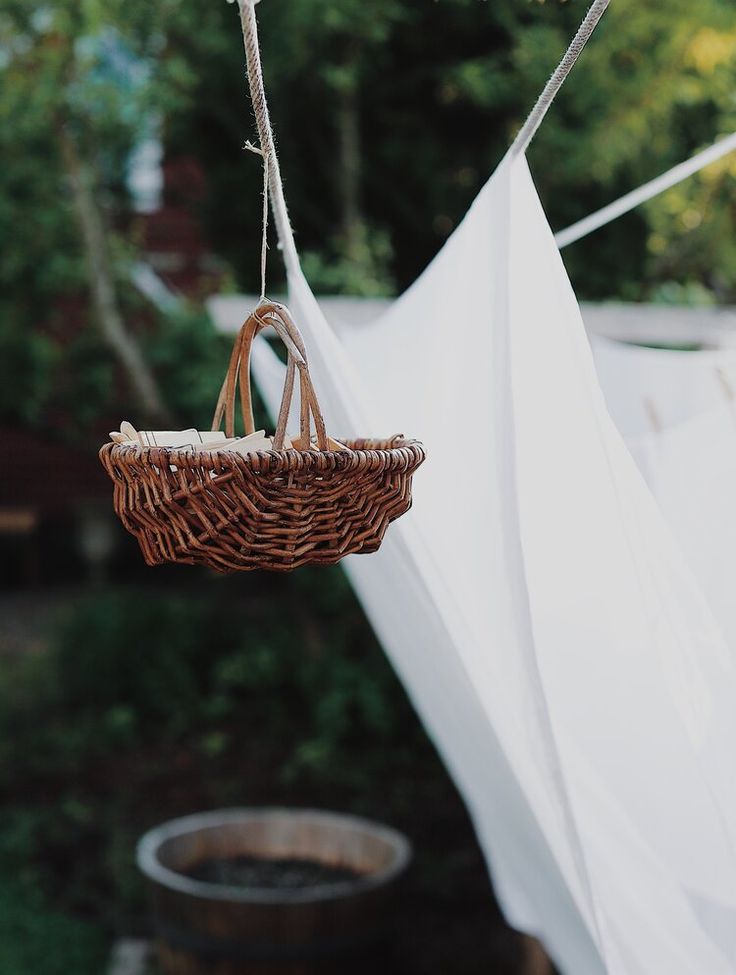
[
  {"x": 264, "y": 215},
  {"x": 563, "y": 69},
  {"x": 287, "y": 245},
  {"x": 646, "y": 192}
]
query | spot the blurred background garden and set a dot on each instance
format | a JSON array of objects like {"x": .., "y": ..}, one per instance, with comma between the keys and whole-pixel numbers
[{"x": 129, "y": 695}]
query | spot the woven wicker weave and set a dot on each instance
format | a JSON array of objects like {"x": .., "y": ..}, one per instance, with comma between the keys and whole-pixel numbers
[{"x": 276, "y": 509}]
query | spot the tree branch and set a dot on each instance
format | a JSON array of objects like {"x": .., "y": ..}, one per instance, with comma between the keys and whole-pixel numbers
[{"x": 102, "y": 283}]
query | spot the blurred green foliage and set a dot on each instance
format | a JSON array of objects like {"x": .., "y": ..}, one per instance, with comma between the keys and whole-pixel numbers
[
  {"x": 190, "y": 359},
  {"x": 42, "y": 942},
  {"x": 442, "y": 89}
]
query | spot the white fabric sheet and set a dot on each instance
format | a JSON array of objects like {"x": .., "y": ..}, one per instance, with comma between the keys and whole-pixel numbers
[
  {"x": 676, "y": 411},
  {"x": 654, "y": 389},
  {"x": 555, "y": 645}
]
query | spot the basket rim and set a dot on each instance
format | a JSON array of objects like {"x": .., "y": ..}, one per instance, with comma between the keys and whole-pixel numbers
[{"x": 404, "y": 452}]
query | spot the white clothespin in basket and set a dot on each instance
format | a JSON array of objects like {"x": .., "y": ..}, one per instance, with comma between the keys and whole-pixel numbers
[
  {"x": 246, "y": 445},
  {"x": 126, "y": 433},
  {"x": 168, "y": 438},
  {"x": 298, "y": 444},
  {"x": 172, "y": 438},
  {"x": 214, "y": 440},
  {"x": 335, "y": 444}
]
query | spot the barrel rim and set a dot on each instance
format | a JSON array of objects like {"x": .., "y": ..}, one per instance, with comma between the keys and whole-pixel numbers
[{"x": 154, "y": 870}]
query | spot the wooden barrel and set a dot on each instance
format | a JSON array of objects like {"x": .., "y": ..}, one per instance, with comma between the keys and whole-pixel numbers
[{"x": 206, "y": 928}]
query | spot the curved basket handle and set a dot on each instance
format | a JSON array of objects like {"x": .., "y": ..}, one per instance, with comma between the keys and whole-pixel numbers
[{"x": 238, "y": 374}]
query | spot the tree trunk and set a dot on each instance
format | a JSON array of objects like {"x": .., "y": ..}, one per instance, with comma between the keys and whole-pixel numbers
[
  {"x": 102, "y": 284},
  {"x": 348, "y": 121}
]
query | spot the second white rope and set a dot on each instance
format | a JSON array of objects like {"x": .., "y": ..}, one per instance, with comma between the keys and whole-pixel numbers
[{"x": 646, "y": 192}]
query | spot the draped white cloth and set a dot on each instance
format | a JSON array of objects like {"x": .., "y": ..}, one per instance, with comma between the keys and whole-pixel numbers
[
  {"x": 649, "y": 389},
  {"x": 557, "y": 648},
  {"x": 678, "y": 414}
]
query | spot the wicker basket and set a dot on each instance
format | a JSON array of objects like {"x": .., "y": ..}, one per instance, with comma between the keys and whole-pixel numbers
[{"x": 276, "y": 509}]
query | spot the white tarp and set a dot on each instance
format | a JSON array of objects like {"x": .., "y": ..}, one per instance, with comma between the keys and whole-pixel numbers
[{"x": 553, "y": 641}]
